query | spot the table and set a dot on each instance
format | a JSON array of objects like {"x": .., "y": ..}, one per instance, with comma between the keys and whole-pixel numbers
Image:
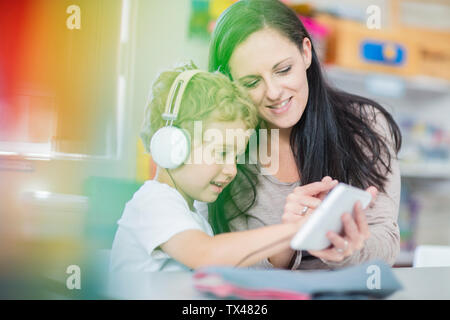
[
  {"x": 419, "y": 283},
  {"x": 430, "y": 283}
]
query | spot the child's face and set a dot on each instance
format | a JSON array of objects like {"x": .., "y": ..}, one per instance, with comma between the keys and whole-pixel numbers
[{"x": 212, "y": 163}]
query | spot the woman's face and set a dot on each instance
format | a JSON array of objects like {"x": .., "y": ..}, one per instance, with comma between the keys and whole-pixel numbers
[{"x": 273, "y": 69}]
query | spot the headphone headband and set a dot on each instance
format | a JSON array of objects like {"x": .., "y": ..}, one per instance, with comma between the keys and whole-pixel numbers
[
  {"x": 170, "y": 146},
  {"x": 180, "y": 84}
]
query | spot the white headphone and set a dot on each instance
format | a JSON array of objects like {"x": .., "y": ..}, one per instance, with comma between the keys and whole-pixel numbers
[{"x": 170, "y": 146}]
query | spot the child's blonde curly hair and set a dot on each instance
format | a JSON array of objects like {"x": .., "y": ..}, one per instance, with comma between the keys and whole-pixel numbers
[{"x": 208, "y": 97}]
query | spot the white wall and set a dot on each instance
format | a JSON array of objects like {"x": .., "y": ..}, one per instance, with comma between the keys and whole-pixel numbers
[{"x": 161, "y": 42}]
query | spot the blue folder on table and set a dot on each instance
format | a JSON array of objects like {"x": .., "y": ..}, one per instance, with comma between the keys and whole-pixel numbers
[{"x": 369, "y": 280}]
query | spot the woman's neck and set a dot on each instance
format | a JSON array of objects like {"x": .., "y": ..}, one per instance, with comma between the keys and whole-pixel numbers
[
  {"x": 282, "y": 145},
  {"x": 287, "y": 166},
  {"x": 284, "y": 133}
]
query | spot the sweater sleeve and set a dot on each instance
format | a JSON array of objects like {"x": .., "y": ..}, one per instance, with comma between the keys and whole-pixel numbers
[{"x": 384, "y": 240}]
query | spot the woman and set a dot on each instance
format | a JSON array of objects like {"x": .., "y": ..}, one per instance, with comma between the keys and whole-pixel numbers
[{"x": 322, "y": 132}]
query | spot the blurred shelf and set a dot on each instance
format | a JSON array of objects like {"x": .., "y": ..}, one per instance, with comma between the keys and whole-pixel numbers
[
  {"x": 404, "y": 259},
  {"x": 387, "y": 85},
  {"x": 437, "y": 170}
]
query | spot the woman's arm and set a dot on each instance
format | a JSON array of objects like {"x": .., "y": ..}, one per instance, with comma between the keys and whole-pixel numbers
[
  {"x": 309, "y": 195},
  {"x": 369, "y": 234},
  {"x": 384, "y": 240}
]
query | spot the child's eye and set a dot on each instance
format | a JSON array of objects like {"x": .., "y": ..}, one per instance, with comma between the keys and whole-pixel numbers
[
  {"x": 221, "y": 155},
  {"x": 226, "y": 157}
]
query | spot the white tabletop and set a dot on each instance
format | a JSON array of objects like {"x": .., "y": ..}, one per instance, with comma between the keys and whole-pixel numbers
[
  {"x": 430, "y": 283},
  {"x": 418, "y": 283}
]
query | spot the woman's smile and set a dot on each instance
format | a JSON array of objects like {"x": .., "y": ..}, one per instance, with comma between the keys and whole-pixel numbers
[{"x": 281, "y": 107}]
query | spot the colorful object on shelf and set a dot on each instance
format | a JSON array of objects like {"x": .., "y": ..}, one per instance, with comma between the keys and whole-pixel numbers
[
  {"x": 407, "y": 219},
  {"x": 204, "y": 15},
  {"x": 200, "y": 19},
  {"x": 319, "y": 34},
  {"x": 145, "y": 167},
  {"x": 314, "y": 28},
  {"x": 385, "y": 85},
  {"x": 401, "y": 49},
  {"x": 216, "y": 7},
  {"x": 383, "y": 52},
  {"x": 424, "y": 142}
]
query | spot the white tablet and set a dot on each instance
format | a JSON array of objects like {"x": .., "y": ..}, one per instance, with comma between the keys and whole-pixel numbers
[{"x": 327, "y": 217}]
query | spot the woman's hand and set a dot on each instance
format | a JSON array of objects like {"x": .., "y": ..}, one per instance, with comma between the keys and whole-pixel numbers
[
  {"x": 308, "y": 196},
  {"x": 356, "y": 232},
  {"x": 305, "y": 199}
]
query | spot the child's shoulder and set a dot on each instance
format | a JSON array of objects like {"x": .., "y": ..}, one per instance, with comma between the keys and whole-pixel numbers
[{"x": 156, "y": 192}]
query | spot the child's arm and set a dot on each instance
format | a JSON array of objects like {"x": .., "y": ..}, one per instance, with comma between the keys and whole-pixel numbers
[
  {"x": 196, "y": 249},
  {"x": 282, "y": 259}
]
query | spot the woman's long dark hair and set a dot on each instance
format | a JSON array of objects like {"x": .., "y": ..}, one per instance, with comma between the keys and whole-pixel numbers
[{"x": 335, "y": 135}]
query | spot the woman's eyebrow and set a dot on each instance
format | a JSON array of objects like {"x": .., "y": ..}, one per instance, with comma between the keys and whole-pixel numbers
[
  {"x": 251, "y": 76},
  {"x": 276, "y": 66}
]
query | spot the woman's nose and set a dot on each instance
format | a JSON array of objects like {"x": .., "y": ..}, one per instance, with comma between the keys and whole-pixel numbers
[{"x": 273, "y": 91}]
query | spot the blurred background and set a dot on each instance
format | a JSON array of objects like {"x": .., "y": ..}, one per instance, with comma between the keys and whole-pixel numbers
[{"x": 74, "y": 80}]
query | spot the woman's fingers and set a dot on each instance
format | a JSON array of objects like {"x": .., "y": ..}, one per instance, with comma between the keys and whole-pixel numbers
[
  {"x": 323, "y": 194},
  {"x": 355, "y": 232},
  {"x": 303, "y": 200},
  {"x": 331, "y": 253},
  {"x": 306, "y": 195},
  {"x": 292, "y": 216},
  {"x": 316, "y": 187},
  {"x": 374, "y": 192},
  {"x": 341, "y": 245},
  {"x": 361, "y": 221},
  {"x": 291, "y": 213},
  {"x": 340, "y": 248},
  {"x": 309, "y": 196},
  {"x": 356, "y": 229},
  {"x": 350, "y": 229}
]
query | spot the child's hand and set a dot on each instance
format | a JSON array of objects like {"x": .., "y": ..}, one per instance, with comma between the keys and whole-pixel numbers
[{"x": 305, "y": 199}]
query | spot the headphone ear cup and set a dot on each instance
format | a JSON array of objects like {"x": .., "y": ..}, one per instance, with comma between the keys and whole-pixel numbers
[{"x": 170, "y": 147}]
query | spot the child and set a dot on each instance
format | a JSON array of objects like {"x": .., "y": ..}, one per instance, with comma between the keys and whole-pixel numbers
[{"x": 160, "y": 229}]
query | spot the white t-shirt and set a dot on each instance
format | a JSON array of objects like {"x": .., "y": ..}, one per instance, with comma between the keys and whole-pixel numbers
[{"x": 156, "y": 213}]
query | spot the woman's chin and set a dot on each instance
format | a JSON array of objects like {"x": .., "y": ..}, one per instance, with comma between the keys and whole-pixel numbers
[{"x": 285, "y": 122}]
